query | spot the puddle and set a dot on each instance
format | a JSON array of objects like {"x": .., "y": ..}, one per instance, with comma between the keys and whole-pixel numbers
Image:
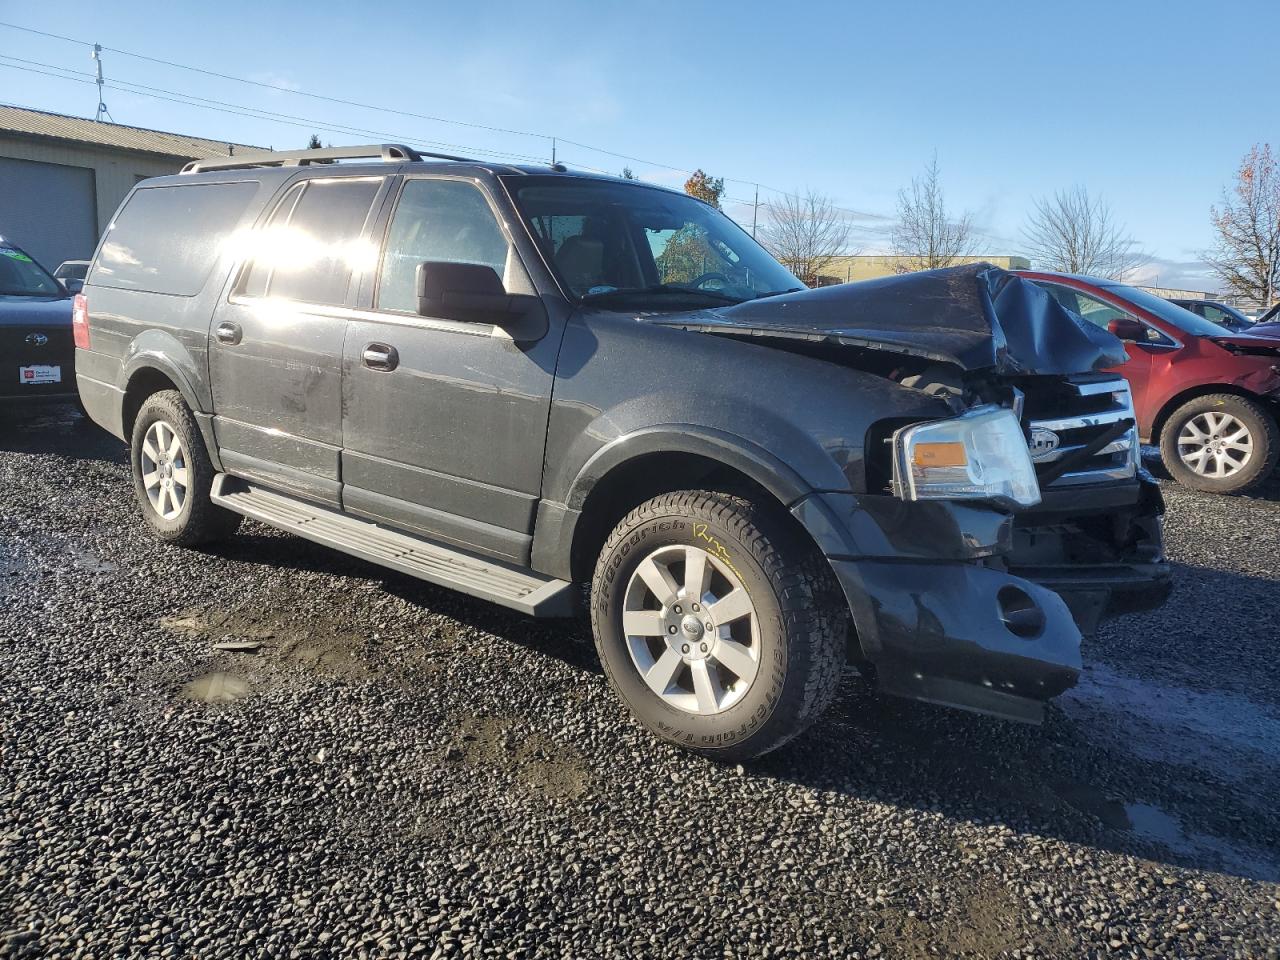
[
  {"x": 1226, "y": 734},
  {"x": 216, "y": 688},
  {"x": 1150, "y": 822}
]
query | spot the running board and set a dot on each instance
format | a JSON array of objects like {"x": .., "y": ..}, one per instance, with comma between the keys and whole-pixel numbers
[{"x": 492, "y": 580}]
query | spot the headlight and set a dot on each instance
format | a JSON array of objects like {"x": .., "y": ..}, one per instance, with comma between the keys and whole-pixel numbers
[{"x": 979, "y": 455}]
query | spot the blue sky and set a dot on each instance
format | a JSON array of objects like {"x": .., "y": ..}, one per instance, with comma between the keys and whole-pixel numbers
[{"x": 1151, "y": 105}]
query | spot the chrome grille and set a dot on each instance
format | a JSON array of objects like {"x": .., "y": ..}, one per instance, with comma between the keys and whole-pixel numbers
[{"x": 1082, "y": 411}]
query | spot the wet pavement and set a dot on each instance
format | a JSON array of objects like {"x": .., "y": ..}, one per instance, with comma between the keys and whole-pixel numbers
[{"x": 266, "y": 747}]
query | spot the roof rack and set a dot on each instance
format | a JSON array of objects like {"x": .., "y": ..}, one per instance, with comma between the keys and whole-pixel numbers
[{"x": 386, "y": 152}]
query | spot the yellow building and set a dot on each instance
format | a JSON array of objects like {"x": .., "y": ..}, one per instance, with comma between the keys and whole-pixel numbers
[{"x": 850, "y": 269}]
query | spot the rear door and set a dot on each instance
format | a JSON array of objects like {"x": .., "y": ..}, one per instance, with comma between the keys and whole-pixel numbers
[
  {"x": 445, "y": 423},
  {"x": 275, "y": 348}
]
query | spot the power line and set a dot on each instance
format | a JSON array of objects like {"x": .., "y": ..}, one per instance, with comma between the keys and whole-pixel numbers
[{"x": 278, "y": 88}]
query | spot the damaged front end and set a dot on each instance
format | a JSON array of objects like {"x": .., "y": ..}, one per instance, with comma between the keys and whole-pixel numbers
[{"x": 982, "y": 545}]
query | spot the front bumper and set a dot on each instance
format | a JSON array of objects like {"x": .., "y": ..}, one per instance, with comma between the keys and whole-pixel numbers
[
  {"x": 974, "y": 608},
  {"x": 939, "y": 632}
]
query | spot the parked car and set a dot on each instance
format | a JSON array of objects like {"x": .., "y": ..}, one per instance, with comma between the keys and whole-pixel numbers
[
  {"x": 35, "y": 332},
  {"x": 1215, "y": 311},
  {"x": 513, "y": 381},
  {"x": 1209, "y": 397},
  {"x": 1272, "y": 315},
  {"x": 71, "y": 274}
]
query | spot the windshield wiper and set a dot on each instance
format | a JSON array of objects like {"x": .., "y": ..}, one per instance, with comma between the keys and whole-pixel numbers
[
  {"x": 658, "y": 290},
  {"x": 776, "y": 293}
]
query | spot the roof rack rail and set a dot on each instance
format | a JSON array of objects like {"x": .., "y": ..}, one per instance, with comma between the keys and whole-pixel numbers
[{"x": 386, "y": 152}]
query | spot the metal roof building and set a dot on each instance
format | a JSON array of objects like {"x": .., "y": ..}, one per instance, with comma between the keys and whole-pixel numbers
[{"x": 62, "y": 178}]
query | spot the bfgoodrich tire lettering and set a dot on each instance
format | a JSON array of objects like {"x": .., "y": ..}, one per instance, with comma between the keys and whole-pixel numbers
[
  {"x": 797, "y": 613},
  {"x": 196, "y": 519}
]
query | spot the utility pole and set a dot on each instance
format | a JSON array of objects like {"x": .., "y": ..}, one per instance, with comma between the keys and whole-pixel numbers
[
  {"x": 102, "y": 107},
  {"x": 553, "y": 151},
  {"x": 755, "y": 207}
]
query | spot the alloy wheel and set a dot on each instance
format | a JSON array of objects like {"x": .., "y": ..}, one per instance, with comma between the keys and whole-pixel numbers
[
  {"x": 1215, "y": 445},
  {"x": 165, "y": 473},
  {"x": 692, "y": 629}
]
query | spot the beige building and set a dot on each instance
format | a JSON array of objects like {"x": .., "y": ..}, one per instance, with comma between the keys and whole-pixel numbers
[
  {"x": 851, "y": 269},
  {"x": 62, "y": 178}
]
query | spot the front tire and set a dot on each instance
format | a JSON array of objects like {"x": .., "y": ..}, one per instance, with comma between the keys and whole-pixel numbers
[
  {"x": 718, "y": 623},
  {"x": 1220, "y": 443},
  {"x": 172, "y": 474}
]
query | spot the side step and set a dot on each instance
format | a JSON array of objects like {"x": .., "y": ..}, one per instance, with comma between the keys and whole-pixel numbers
[{"x": 467, "y": 573}]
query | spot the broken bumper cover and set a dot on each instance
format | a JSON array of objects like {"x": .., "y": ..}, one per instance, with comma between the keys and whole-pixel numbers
[
  {"x": 971, "y": 607},
  {"x": 945, "y": 633}
]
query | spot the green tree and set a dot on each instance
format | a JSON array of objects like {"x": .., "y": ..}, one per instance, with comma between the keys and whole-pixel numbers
[{"x": 628, "y": 175}]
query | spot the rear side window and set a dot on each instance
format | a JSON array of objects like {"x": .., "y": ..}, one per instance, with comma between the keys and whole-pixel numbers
[
  {"x": 312, "y": 244},
  {"x": 167, "y": 239}
]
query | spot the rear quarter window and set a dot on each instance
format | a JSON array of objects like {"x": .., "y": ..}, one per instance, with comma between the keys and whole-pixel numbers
[{"x": 167, "y": 239}]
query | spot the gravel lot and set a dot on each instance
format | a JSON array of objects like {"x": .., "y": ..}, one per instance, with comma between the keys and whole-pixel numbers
[{"x": 397, "y": 770}]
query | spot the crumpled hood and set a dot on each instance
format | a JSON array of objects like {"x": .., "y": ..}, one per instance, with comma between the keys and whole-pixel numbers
[
  {"x": 34, "y": 312},
  {"x": 975, "y": 316}
]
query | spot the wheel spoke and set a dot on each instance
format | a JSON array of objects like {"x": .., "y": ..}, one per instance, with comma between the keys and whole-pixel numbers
[
  {"x": 148, "y": 449},
  {"x": 733, "y": 606},
  {"x": 662, "y": 674},
  {"x": 659, "y": 580},
  {"x": 175, "y": 447},
  {"x": 705, "y": 686},
  {"x": 736, "y": 658},
  {"x": 697, "y": 574},
  {"x": 180, "y": 476},
  {"x": 149, "y": 480},
  {"x": 643, "y": 623}
]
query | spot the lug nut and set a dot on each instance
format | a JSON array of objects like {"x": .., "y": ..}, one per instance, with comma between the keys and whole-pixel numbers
[
  {"x": 684, "y": 648},
  {"x": 677, "y": 608},
  {"x": 702, "y": 647},
  {"x": 696, "y": 608},
  {"x": 709, "y": 626},
  {"x": 671, "y": 629}
]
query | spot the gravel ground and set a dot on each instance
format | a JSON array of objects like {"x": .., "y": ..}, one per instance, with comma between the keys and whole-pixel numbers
[{"x": 396, "y": 770}]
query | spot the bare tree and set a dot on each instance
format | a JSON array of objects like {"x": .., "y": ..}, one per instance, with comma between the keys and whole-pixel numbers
[
  {"x": 804, "y": 232},
  {"x": 925, "y": 237},
  {"x": 1076, "y": 233},
  {"x": 1246, "y": 253}
]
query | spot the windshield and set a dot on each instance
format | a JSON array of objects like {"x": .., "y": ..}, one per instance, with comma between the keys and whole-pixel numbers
[
  {"x": 20, "y": 276},
  {"x": 1184, "y": 320},
  {"x": 643, "y": 247}
]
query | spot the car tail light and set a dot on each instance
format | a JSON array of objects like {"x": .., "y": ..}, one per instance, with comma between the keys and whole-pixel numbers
[{"x": 80, "y": 321}]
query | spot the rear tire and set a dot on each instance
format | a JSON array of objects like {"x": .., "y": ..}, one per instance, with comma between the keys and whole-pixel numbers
[
  {"x": 747, "y": 646},
  {"x": 1220, "y": 443},
  {"x": 172, "y": 474}
]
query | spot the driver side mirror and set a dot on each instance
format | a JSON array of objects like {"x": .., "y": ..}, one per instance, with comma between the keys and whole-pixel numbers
[
  {"x": 72, "y": 286},
  {"x": 1130, "y": 330},
  {"x": 473, "y": 293}
]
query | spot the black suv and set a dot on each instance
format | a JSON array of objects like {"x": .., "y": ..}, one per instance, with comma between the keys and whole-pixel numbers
[{"x": 511, "y": 380}]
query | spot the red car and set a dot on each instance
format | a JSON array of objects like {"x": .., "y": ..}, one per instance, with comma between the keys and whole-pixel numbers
[{"x": 1207, "y": 396}]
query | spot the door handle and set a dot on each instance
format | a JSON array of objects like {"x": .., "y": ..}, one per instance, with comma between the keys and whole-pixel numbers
[
  {"x": 228, "y": 332},
  {"x": 380, "y": 356}
]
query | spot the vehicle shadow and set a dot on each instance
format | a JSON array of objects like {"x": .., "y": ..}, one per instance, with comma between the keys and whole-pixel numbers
[
  {"x": 1178, "y": 765},
  {"x": 58, "y": 430}
]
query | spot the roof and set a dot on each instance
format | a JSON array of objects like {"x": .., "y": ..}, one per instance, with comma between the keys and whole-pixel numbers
[{"x": 57, "y": 126}]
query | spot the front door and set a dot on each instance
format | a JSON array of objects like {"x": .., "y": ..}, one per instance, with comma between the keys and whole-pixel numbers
[
  {"x": 275, "y": 349},
  {"x": 445, "y": 423}
]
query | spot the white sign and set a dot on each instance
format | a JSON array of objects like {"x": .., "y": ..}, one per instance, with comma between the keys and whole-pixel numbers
[{"x": 40, "y": 373}]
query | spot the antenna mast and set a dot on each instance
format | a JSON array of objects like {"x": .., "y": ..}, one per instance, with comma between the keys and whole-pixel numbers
[{"x": 102, "y": 107}]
